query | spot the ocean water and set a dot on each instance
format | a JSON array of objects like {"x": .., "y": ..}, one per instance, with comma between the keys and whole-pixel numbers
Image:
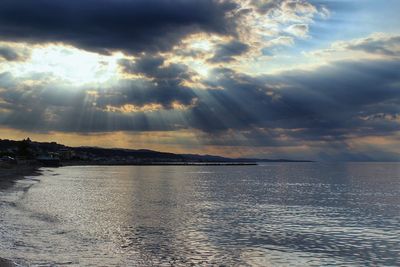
[{"x": 278, "y": 214}]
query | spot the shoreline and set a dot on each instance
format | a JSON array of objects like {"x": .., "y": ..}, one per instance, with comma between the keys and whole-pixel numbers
[
  {"x": 7, "y": 263},
  {"x": 91, "y": 163},
  {"x": 9, "y": 174}
]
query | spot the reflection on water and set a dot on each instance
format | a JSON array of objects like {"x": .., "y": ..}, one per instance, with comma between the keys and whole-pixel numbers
[{"x": 275, "y": 214}]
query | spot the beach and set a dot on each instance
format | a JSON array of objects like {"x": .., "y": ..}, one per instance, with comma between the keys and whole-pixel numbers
[
  {"x": 6, "y": 263},
  {"x": 11, "y": 173}
]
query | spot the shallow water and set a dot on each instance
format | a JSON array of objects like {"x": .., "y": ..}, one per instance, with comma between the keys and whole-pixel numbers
[{"x": 280, "y": 214}]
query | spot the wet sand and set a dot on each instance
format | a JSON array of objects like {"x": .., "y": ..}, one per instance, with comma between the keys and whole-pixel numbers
[
  {"x": 9, "y": 174},
  {"x": 6, "y": 263}
]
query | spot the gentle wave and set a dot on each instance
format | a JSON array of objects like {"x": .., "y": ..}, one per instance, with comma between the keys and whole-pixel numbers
[{"x": 272, "y": 215}]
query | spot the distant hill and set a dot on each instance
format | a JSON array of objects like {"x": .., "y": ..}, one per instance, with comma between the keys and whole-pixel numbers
[{"x": 13, "y": 148}]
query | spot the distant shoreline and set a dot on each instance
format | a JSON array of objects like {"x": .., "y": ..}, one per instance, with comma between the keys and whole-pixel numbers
[
  {"x": 52, "y": 154},
  {"x": 87, "y": 163}
]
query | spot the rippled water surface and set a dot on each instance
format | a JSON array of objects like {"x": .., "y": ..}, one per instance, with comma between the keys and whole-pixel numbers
[{"x": 297, "y": 214}]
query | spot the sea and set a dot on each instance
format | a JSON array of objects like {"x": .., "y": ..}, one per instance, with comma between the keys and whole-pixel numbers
[{"x": 272, "y": 214}]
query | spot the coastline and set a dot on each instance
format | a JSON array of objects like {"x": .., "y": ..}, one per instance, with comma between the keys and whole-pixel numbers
[
  {"x": 7, "y": 263},
  {"x": 155, "y": 163},
  {"x": 9, "y": 174}
]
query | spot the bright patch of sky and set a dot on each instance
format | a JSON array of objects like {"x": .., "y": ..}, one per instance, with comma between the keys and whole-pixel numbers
[
  {"x": 347, "y": 20},
  {"x": 67, "y": 64}
]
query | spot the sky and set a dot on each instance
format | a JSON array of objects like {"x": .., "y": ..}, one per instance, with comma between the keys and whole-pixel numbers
[{"x": 317, "y": 80}]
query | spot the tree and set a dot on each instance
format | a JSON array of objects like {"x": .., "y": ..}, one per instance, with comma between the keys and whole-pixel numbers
[{"x": 24, "y": 148}]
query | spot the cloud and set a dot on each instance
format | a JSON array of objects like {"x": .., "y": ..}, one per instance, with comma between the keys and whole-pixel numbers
[
  {"x": 261, "y": 21},
  {"x": 152, "y": 26},
  {"x": 162, "y": 84},
  {"x": 104, "y": 26},
  {"x": 167, "y": 82},
  {"x": 298, "y": 30},
  {"x": 227, "y": 52},
  {"x": 9, "y": 53},
  {"x": 325, "y": 108},
  {"x": 280, "y": 41},
  {"x": 141, "y": 92},
  {"x": 153, "y": 67},
  {"x": 331, "y": 102},
  {"x": 286, "y": 9},
  {"x": 377, "y": 45}
]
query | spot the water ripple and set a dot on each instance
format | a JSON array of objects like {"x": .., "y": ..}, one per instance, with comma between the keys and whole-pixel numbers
[{"x": 273, "y": 215}]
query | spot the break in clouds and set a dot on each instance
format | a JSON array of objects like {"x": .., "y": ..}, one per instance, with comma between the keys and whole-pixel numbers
[{"x": 204, "y": 66}]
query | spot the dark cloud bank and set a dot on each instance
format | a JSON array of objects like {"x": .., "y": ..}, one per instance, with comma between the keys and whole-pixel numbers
[
  {"x": 227, "y": 52},
  {"x": 107, "y": 25}
]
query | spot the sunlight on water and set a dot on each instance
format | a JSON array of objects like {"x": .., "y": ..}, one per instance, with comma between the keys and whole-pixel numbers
[{"x": 307, "y": 214}]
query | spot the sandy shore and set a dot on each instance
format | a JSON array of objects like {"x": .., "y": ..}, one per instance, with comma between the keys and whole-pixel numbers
[
  {"x": 6, "y": 263},
  {"x": 11, "y": 173}
]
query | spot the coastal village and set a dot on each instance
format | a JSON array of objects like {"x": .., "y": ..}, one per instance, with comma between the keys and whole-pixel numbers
[
  {"x": 27, "y": 152},
  {"x": 51, "y": 154}
]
